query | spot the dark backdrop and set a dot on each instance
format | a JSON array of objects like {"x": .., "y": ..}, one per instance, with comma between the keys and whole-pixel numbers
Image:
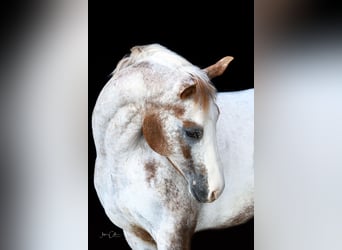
[{"x": 202, "y": 34}]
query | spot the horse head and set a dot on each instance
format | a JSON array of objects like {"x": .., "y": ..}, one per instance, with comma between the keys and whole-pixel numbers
[{"x": 181, "y": 125}]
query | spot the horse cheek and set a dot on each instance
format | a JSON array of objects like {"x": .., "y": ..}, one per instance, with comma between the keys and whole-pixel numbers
[{"x": 154, "y": 134}]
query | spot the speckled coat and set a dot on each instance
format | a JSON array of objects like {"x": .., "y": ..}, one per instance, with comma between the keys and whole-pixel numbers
[{"x": 173, "y": 156}]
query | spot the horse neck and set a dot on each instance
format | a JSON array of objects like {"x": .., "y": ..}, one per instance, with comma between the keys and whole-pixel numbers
[
  {"x": 116, "y": 116},
  {"x": 120, "y": 109},
  {"x": 123, "y": 133}
]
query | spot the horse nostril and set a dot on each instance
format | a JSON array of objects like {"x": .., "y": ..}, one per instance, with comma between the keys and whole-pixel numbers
[{"x": 213, "y": 196}]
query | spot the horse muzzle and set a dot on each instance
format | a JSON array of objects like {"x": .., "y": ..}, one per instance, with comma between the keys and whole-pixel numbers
[{"x": 199, "y": 189}]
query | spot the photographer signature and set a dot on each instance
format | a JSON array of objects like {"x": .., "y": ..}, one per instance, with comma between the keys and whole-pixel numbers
[{"x": 110, "y": 235}]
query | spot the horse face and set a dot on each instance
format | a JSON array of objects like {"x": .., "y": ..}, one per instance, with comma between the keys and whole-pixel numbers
[
  {"x": 197, "y": 156},
  {"x": 186, "y": 136}
]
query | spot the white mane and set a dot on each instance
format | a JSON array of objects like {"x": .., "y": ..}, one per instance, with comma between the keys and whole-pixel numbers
[
  {"x": 158, "y": 54},
  {"x": 154, "y": 52}
]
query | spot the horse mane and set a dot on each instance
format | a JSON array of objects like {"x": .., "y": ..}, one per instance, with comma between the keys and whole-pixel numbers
[{"x": 158, "y": 54}]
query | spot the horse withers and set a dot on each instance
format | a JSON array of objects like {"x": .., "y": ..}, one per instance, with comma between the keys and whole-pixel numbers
[{"x": 173, "y": 156}]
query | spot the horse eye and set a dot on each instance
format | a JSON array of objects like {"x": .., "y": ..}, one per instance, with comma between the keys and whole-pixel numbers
[{"x": 194, "y": 133}]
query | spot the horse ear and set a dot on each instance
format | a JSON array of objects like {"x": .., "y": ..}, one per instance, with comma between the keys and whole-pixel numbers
[
  {"x": 154, "y": 134},
  {"x": 219, "y": 67},
  {"x": 188, "y": 92}
]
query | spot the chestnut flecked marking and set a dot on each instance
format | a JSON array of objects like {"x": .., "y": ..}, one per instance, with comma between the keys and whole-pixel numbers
[
  {"x": 178, "y": 110},
  {"x": 154, "y": 134},
  {"x": 171, "y": 194},
  {"x": 189, "y": 124},
  {"x": 186, "y": 150},
  {"x": 185, "y": 231},
  {"x": 202, "y": 92},
  {"x": 142, "y": 234},
  {"x": 150, "y": 169}
]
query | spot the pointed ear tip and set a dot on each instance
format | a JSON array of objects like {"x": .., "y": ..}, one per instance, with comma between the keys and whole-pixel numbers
[{"x": 228, "y": 58}]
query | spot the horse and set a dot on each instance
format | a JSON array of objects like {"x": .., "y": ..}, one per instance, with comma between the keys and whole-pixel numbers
[{"x": 173, "y": 155}]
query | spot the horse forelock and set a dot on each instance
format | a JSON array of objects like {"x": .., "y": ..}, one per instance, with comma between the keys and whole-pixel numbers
[{"x": 205, "y": 92}]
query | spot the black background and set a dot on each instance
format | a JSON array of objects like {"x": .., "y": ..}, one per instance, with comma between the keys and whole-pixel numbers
[{"x": 203, "y": 34}]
